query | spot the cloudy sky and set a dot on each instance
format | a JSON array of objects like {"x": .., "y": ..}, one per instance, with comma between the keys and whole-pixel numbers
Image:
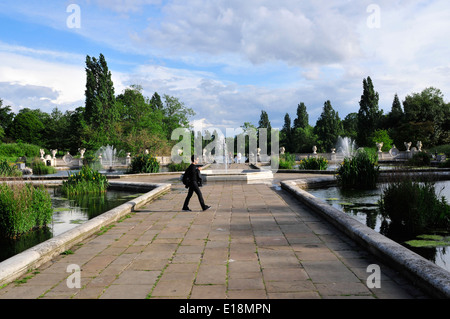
[{"x": 226, "y": 59}]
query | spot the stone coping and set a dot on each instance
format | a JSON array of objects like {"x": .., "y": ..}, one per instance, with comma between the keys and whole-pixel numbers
[
  {"x": 422, "y": 272},
  {"x": 32, "y": 258}
]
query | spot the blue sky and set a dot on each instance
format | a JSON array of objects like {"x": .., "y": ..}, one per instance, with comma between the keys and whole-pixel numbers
[{"x": 226, "y": 59}]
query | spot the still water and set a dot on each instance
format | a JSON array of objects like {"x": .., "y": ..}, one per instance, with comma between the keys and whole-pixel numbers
[
  {"x": 67, "y": 214},
  {"x": 363, "y": 206}
]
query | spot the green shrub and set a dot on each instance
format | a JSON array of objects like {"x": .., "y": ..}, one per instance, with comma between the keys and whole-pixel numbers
[
  {"x": 287, "y": 161},
  {"x": 39, "y": 168},
  {"x": 143, "y": 163},
  {"x": 360, "y": 171},
  {"x": 174, "y": 167},
  {"x": 22, "y": 208},
  {"x": 9, "y": 170},
  {"x": 86, "y": 181},
  {"x": 414, "y": 206},
  {"x": 16, "y": 150},
  {"x": 314, "y": 163}
]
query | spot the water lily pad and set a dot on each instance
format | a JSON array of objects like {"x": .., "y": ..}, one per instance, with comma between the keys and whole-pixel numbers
[
  {"x": 346, "y": 204},
  {"x": 429, "y": 241}
]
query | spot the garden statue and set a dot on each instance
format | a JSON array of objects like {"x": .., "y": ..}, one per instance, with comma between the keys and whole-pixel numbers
[
  {"x": 419, "y": 146},
  {"x": 282, "y": 150},
  {"x": 42, "y": 153},
  {"x": 54, "y": 153},
  {"x": 380, "y": 146},
  {"x": 408, "y": 146},
  {"x": 314, "y": 149},
  {"x": 82, "y": 151},
  {"x": 333, "y": 151}
]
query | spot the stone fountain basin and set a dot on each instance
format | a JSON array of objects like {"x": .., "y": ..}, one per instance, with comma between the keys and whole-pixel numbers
[{"x": 236, "y": 175}]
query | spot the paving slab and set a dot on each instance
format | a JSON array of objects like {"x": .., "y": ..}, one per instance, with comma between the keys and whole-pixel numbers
[{"x": 256, "y": 241}]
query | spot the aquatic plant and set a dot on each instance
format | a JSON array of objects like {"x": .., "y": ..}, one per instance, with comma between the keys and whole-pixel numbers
[
  {"x": 86, "y": 181},
  {"x": 314, "y": 163},
  {"x": 286, "y": 161},
  {"x": 23, "y": 207},
  {"x": 361, "y": 171},
  {"x": 414, "y": 206}
]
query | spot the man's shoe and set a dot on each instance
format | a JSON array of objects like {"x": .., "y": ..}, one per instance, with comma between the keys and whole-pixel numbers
[
  {"x": 186, "y": 209},
  {"x": 206, "y": 207}
]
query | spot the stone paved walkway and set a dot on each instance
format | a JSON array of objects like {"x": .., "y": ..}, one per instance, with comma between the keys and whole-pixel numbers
[{"x": 255, "y": 242}]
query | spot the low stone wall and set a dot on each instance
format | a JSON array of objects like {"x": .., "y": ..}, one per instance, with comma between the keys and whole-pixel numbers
[
  {"x": 32, "y": 258},
  {"x": 433, "y": 279}
]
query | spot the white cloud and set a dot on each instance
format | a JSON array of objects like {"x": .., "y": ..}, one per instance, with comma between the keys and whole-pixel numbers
[{"x": 35, "y": 82}]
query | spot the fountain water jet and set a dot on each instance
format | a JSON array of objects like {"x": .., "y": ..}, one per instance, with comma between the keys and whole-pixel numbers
[
  {"x": 346, "y": 147},
  {"x": 108, "y": 156}
]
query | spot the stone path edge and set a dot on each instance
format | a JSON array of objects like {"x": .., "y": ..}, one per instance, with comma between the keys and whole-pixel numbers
[
  {"x": 422, "y": 272},
  {"x": 14, "y": 267}
]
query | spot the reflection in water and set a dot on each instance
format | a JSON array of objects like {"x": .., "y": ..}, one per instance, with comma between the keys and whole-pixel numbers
[
  {"x": 363, "y": 206},
  {"x": 67, "y": 214}
]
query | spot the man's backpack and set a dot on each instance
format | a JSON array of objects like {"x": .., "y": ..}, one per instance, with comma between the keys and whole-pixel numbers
[{"x": 186, "y": 180}]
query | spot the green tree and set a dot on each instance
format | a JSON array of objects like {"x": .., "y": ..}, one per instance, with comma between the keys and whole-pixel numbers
[
  {"x": 101, "y": 112},
  {"x": 156, "y": 102},
  {"x": 302, "y": 120},
  {"x": 6, "y": 116},
  {"x": 381, "y": 136},
  {"x": 286, "y": 134},
  {"x": 26, "y": 127},
  {"x": 428, "y": 112},
  {"x": 328, "y": 128},
  {"x": 304, "y": 139},
  {"x": 368, "y": 114},
  {"x": 350, "y": 125},
  {"x": 176, "y": 115}
]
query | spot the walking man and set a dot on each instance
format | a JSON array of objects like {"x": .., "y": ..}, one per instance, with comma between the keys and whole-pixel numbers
[{"x": 192, "y": 179}]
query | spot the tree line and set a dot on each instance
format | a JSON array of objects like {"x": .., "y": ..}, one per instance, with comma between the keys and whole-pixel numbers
[
  {"x": 423, "y": 117},
  {"x": 129, "y": 121}
]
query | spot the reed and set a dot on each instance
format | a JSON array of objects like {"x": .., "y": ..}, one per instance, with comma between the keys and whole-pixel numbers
[
  {"x": 23, "y": 208},
  {"x": 86, "y": 181},
  {"x": 361, "y": 171}
]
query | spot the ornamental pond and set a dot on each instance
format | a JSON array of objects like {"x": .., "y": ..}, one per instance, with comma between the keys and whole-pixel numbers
[
  {"x": 67, "y": 214},
  {"x": 363, "y": 206}
]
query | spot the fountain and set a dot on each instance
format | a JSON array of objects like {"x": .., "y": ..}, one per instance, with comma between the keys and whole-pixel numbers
[
  {"x": 346, "y": 147},
  {"x": 107, "y": 155}
]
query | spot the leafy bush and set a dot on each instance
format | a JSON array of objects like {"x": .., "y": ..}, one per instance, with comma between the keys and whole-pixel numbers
[
  {"x": 360, "y": 171},
  {"x": 287, "y": 161},
  {"x": 16, "y": 150},
  {"x": 414, "y": 206},
  {"x": 22, "y": 208},
  {"x": 8, "y": 170},
  {"x": 86, "y": 181},
  {"x": 315, "y": 163},
  {"x": 143, "y": 163}
]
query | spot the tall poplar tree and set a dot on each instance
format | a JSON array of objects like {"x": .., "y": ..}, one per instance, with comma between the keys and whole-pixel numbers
[
  {"x": 369, "y": 114},
  {"x": 101, "y": 111},
  {"x": 286, "y": 134}
]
